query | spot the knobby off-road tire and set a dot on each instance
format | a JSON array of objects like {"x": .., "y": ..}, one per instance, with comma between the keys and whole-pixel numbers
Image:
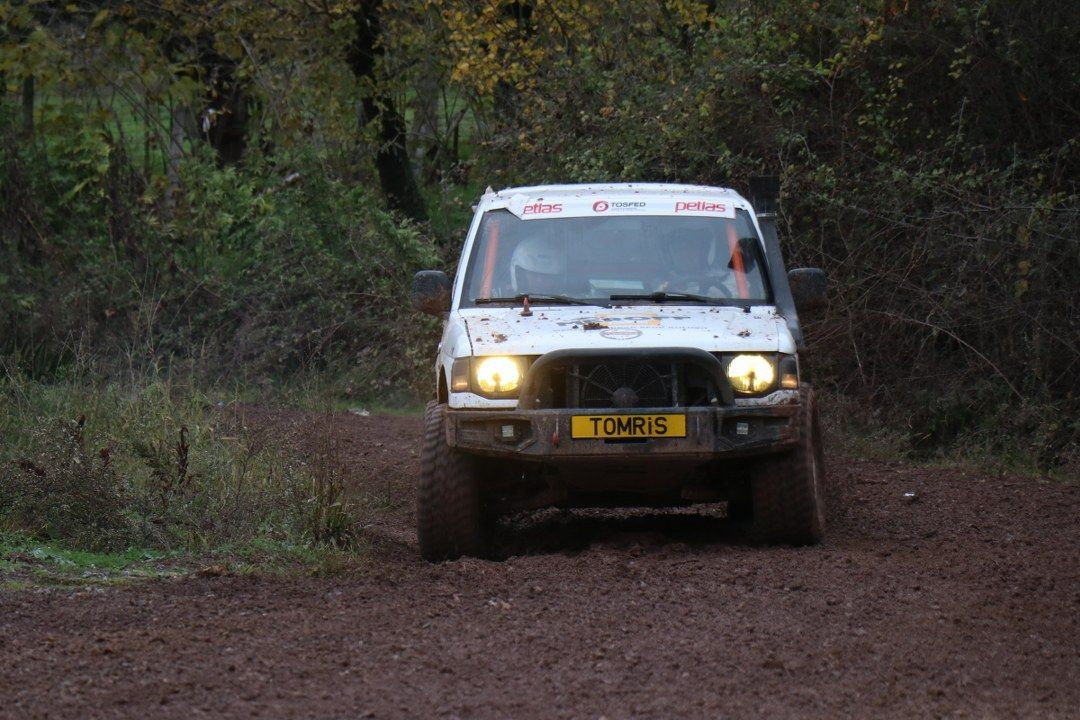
[
  {"x": 448, "y": 519},
  {"x": 789, "y": 488}
]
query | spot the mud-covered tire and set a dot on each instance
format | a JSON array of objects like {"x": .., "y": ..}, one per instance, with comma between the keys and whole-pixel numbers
[
  {"x": 789, "y": 488},
  {"x": 448, "y": 513}
]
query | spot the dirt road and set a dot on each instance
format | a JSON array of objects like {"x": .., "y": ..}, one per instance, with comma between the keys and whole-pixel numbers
[{"x": 963, "y": 602}]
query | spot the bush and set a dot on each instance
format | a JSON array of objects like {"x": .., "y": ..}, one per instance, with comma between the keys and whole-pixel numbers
[
  {"x": 156, "y": 463},
  {"x": 59, "y": 491},
  {"x": 256, "y": 273}
]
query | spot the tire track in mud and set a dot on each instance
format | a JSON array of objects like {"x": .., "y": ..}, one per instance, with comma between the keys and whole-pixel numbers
[{"x": 959, "y": 600}]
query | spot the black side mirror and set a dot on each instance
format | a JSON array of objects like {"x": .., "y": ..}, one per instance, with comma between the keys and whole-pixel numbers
[
  {"x": 807, "y": 287},
  {"x": 431, "y": 292}
]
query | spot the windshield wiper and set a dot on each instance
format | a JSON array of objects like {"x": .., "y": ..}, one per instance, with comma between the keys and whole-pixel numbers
[
  {"x": 534, "y": 298},
  {"x": 668, "y": 297}
]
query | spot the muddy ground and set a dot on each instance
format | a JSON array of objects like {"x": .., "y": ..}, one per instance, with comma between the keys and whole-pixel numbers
[{"x": 961, "y": 602}]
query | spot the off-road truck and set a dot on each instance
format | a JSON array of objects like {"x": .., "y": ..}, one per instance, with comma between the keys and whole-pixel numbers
[{"x": 619, "y": 345}]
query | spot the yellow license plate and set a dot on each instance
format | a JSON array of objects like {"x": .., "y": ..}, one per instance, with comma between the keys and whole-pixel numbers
[{"x": 627, "y": 426}]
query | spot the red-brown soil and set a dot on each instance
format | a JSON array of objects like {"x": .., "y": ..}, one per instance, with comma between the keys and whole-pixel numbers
[{"x": 962, "y": 602}]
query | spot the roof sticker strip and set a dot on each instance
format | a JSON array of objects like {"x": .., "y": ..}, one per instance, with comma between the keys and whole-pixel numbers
[{"x": 525, "y": 207}]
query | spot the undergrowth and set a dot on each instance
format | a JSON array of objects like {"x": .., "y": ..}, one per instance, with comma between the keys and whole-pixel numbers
[
  {"x": 156, "y": 463},
  {"x": 248, "y": 274},
  {"x": 27, "y": 562},
  {"x": 862, "y": 430}
]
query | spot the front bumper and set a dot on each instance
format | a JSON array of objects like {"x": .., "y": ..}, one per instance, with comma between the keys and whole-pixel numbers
[{"x": 544, "y": 435}]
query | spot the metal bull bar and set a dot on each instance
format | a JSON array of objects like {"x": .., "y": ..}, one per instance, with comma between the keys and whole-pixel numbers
[{"x": 539, "y": 370}]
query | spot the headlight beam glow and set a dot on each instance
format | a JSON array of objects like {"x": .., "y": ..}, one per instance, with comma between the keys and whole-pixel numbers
[
  {"x": 498, "y": 375},
  {"x": 751, "y": 373}
]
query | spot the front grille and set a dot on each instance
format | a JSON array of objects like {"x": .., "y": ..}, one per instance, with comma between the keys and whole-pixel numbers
[
  {"x": 606, "y": 379},
  {"x": 623, "y": 385}
]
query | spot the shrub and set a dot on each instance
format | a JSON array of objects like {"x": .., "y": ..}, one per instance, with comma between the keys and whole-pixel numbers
[
  {"x": 62, "y": 492},
  {"x": 157, "y": 464},
  {"x": 251, "y": 273}
]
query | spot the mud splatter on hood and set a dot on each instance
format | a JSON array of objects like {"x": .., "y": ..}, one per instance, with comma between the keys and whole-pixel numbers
[{"x": 505, "y": 331}]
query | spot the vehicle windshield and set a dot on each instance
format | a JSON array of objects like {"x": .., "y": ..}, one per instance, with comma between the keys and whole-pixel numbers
[{"x": 639, "y": 258}]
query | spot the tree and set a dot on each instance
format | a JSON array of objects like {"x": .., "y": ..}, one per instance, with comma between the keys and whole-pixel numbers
[{"x": 391, "y": 159}]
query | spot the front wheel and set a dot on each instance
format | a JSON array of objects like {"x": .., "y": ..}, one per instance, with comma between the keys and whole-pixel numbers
[
  {"x": 448, "y": 520},
  {"x": 789, "y": 489}
]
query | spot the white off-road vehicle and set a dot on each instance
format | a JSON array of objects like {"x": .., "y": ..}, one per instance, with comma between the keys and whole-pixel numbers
[{"x": 619, "y": 345}]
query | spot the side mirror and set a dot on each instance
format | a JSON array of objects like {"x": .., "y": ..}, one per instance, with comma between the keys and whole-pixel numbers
[
  {"x": 431, "y": 292},
  {"x": 807, "y": 287}
]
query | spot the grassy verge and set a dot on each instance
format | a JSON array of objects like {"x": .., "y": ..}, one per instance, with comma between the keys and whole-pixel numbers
[
  {"x": 27, "y": 562},
  {"x": 123, "y": 479},
  {"x": 23, "y": 558},
  {"x": 855, "y": 429}
]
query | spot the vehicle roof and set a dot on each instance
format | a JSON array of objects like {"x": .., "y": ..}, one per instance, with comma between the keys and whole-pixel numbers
[{"x": 614, "y": 189}]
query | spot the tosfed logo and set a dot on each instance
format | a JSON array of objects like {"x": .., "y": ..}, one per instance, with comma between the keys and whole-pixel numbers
[{"x": 617, "y": 206}]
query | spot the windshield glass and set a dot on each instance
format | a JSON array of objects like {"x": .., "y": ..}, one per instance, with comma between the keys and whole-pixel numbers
[{"x": 593, "y": 258}]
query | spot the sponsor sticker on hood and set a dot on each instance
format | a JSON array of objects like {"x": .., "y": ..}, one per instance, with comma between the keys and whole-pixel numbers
[{"x": 536, "y": 208}]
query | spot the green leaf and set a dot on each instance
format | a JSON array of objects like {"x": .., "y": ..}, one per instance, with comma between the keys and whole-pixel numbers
[{"x": 101, "y": 17}]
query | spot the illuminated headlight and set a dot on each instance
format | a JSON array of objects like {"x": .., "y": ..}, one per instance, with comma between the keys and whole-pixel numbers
[
  {"x": 751, "y": 374},
  {"x": 497, "y": 375}
]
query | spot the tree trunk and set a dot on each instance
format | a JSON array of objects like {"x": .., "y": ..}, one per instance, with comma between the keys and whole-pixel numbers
[
  {"x": 225, "y": 117},
  {"x": 391, "y": 160},
  {"x": 429, "y": 152},
  {"x": 28, "y": 104},
  {"x": 182, "y": 125},
  {"x": 220, "y": 116},
  {"x": 507, "y": 107}
]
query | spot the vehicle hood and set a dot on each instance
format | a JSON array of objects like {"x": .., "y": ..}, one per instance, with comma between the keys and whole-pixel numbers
[{"x": 504, "y": 331}]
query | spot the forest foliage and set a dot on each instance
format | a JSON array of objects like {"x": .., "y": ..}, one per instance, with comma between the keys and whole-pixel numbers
[{"x": 244, "y": 188}]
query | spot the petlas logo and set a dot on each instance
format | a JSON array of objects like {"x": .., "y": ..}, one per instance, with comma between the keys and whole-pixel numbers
[
  {"x": 600, "y": 206},
  {"x": 700, "y": 206},
  {"x": 540, "y": 208}
]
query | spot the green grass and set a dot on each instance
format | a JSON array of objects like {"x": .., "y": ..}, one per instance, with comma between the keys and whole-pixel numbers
[
  {"x": 245, "y": 495},
  {"x": 144, "y": 137},
  {"x": 851, "y": 430},
  {"x": 20, "y": 549},
  {"x": 327, "y": 391},
  {"x": 27, "y": 563},
  {"x": 157, "y": 462}
]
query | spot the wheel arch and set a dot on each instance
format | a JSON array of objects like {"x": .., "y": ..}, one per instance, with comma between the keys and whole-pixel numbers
[{"x": 442, "y": 391}]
